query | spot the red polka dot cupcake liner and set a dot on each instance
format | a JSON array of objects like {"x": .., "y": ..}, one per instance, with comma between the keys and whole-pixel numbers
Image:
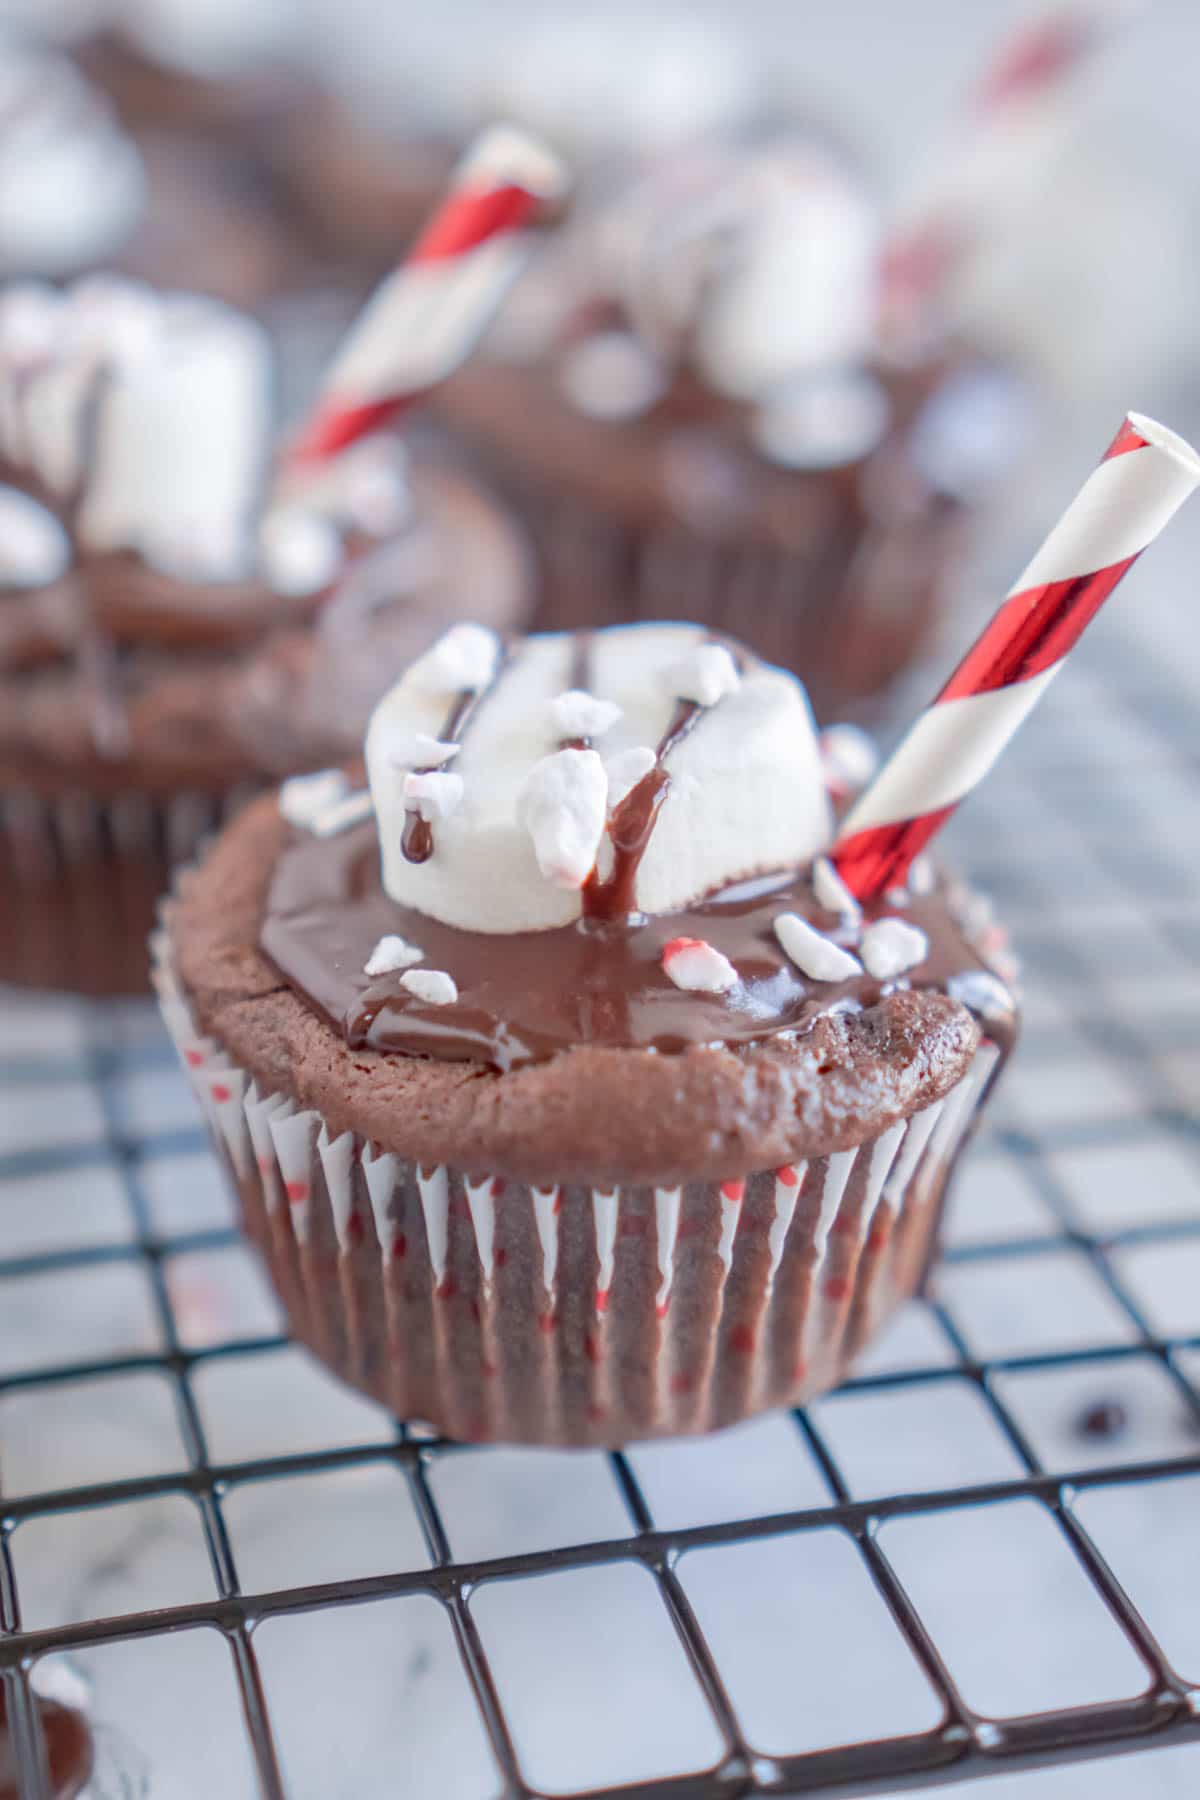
[{"x": 569, "y": 1314}]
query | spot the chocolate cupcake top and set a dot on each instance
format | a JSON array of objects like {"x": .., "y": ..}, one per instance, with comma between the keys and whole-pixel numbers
[
  {"x": 722, "y": 313},
  {"x": 582, "y": 915},
  {"x": 150, "y": 549},
  {"x": 72, "y": 185}
]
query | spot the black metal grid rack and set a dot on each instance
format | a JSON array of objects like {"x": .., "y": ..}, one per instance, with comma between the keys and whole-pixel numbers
[{"x": 1104, "y": 899}]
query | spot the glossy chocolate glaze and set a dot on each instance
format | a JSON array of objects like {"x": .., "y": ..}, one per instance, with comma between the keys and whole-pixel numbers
[{"x": 526, "y": 996}]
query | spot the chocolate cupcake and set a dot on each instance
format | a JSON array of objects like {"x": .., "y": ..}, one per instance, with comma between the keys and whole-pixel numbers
[
  {"x": 568, "y": 1094},
  {"x": 688, "y": 397},
  {"x": 175, "y": 628}
]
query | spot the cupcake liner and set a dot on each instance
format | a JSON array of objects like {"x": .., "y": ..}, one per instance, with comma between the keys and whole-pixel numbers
[
  {"x": 851, "y": 608},
  {"x": 568, "y": 1314},
  {"x": 85, "y": 875}
]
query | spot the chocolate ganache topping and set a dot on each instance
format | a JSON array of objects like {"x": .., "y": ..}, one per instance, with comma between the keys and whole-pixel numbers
[{"x": 610, "y": 838}]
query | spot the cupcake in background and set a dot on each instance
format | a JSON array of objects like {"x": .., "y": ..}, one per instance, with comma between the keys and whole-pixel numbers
[
  {"x": 690, "y": 398},
  {"x": 178, "y": 626},
  {"x": 568, "y": 1095}
]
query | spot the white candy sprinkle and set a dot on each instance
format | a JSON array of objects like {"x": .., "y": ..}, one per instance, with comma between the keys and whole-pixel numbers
[
  {"x": 889, "y": 947},
  {"x": 626, "y": 769},
  {"x": 303, "y": 798},
  {"x": 612, "y": 375},
  {"x": 563, "y": 804},
  {"x": 417, "y": 750},
  {"x": 705, "y": 675},
  {"x": 812, "y": 953},
  {"x": 577, "y": 714},
  {"x": 434, "y": 794},
  {"x": 391, "y": 953},
  {"x": 832, "y": 892},
  {"x": 433, "y": 986},
  {"x": 849, "y": 758},
  {"x": 695, "y": 966},
  {"x": 983, "y": 993},
  {"x": 462, "y": 660},
  {"x": 34, "y": 548},
  {"x": 344, "y": 813},
  {"x": 922, "y": 876},
  {"x": 299, "y": 551}
]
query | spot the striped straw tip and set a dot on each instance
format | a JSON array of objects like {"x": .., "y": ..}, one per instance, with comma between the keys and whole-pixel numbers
[
  {"x": 1161, "y": 437},
  {"x": 504, "y": 153}
]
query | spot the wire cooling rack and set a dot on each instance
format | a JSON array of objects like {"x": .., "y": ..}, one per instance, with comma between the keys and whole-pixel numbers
[{"x": 979, "y": 1556}]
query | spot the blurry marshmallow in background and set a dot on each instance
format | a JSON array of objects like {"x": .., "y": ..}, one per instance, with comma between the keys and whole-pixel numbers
[
  {"x": 72, "y": 184},
  {"x": 212, "y": 38}
]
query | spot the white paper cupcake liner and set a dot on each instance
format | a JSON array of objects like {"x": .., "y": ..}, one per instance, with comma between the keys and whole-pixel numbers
[{"x": 568, "y": 1314}]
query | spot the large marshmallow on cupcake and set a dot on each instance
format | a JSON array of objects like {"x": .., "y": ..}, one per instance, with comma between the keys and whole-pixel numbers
[{"x": 511, "y": 829}]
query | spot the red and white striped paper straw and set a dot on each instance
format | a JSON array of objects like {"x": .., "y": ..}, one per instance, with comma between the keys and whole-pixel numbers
[
  {"x": 427, "y": 316},
  {"x": 1146, "y": 475},
  {"x": 1021, "y": 93}
]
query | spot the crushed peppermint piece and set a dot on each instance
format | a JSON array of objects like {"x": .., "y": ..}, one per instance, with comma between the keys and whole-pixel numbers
[
  {"x": 300, "y": 552},
  {"x": 695, "y": 966},
  {"x": 849, "y": 759},
  {"x": 626, "y": 769},
  {"x": 922, "y": 876},
  {"x": 391, "y": 953},
  {"x": 463, "y": 660},
  {"x": 704, "y": 676},
  {"x": 982, "y": 993},
  {"x": 612, "y": 375},
  {"x": 578, "y": 714},
  {"x": 433, "y": 986},
  {"x": 417, "y": 750},
  {"x": 813, "y": 953},
  {"x": 351, "y": 810},
  {"x": 433, "y": 793},
  {"x": 832, "y": 892},
  {"x": 302, "y": 798},
  {"x": 563, "y": 804},
  {"x": 889, "y": 947}
]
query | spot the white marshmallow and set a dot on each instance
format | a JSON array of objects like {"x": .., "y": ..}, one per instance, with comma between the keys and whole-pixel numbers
[
  {"x": 433, "y": 986},
  {"x": 563, "y": 804},
  {"x": 626, "y": 769},
  {"x": 302, "y": 798},
  {"x": 580, "y": 715},
  {"x": 705, "y": 675},
  {"x": 832, "y": 892},
  {"x": 434, "y": 794},
  {"x": 463, "y": 660},
  {"x": 744, "y": 793},
  {"x": 391, "y": 953},
  {"x": 698, "y": 967},
  {"x": 890, "y": 946},
  {"x": 812, "y": 953}
]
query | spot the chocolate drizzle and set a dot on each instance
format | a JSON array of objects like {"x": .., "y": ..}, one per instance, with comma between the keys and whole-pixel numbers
[
  {"x": 631, "y": 825},
  {"x": 416, "y": 840},
  {"x": 525, "y": 997},
  {"x": 68, "y": 1744}
]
